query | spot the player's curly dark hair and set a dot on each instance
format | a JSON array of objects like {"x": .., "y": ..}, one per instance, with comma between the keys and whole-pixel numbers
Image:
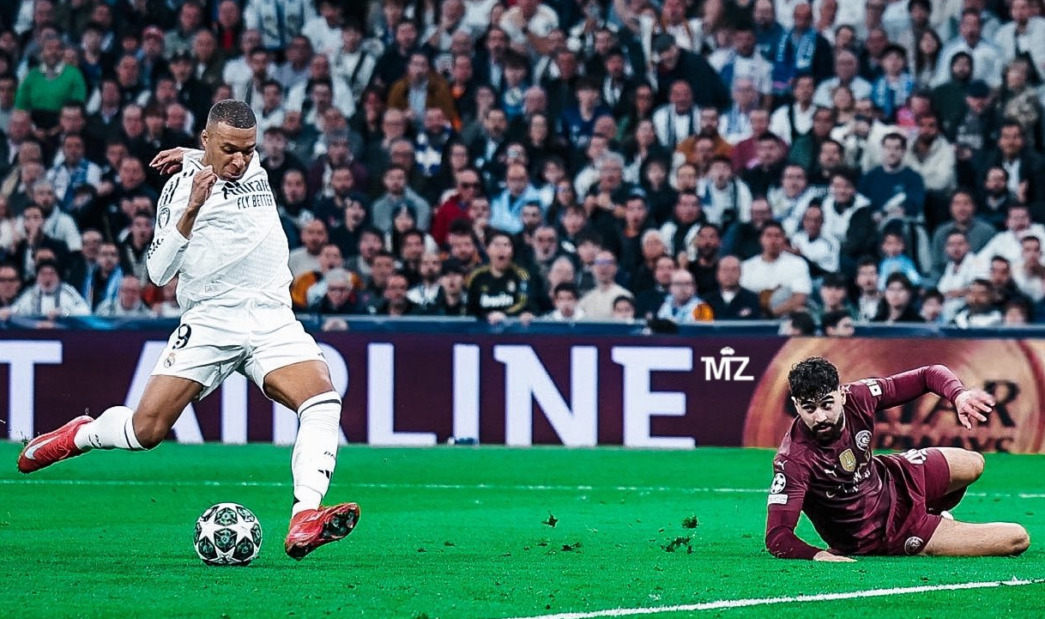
[{"x": 812, "y": 379}]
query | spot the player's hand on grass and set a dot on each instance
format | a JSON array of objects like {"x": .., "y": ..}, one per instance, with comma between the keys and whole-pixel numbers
[
  {"x": 202, "y": 184},
  {"x": 823, "y": 555},
  {"x": 973, "y": 404}
]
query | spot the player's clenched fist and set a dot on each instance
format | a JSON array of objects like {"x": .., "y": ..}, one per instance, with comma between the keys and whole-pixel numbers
[{"x": 202, "y": 184}]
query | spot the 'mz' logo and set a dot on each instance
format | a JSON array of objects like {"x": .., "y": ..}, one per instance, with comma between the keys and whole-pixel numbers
[{"x": 728, "y": 367}]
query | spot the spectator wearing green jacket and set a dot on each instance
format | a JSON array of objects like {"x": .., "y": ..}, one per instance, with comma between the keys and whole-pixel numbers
[{"x": 50, "y": 84}]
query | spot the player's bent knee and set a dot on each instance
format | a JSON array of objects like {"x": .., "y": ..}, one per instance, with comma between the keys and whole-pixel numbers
[
  {"x": 977, "y": 463},
  {"x": 150, "y": 432}
]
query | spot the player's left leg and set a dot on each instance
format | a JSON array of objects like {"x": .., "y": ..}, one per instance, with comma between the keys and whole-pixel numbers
[
  {"x": 964, "y": 539},
  {"x": 964, "y": 468},
  {"x": 306, "y": 388}
]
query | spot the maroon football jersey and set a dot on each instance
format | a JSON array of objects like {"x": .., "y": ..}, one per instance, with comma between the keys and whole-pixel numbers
[{"x": 843, "y": 489}]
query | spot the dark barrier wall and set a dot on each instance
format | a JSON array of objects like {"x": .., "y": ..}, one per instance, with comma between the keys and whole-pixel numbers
[{"x": 411, "y": 389}]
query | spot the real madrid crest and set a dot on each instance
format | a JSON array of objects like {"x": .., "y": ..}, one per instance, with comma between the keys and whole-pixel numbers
[
  {"x": 848, "y": 460},
  {"x": 169, "y": 361}
]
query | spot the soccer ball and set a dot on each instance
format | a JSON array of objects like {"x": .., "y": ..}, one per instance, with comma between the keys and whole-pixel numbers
[{"x": 227, "y": 534}]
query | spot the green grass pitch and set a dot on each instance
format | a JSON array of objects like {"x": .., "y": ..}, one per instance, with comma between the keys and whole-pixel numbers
[{"x": 462, "y": 532}]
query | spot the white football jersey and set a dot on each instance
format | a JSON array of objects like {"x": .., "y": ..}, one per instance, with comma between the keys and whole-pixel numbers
[{"x": 237, "y": 250}]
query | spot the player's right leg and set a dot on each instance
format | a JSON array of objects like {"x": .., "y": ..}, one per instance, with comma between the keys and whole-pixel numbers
[
  {"x": 965, "y": 539},
  {"x": 119, "y": 427}
]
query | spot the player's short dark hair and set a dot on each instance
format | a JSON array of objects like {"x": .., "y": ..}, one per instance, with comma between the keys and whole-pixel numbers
[
  {"x": 233, "y": 113},
  {"x": 812, "y": 379}
]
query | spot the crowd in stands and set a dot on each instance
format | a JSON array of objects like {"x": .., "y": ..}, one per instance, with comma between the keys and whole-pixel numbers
[{"x": 826, "y": 164}]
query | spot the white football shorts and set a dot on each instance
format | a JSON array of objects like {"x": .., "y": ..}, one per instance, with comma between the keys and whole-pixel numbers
[{"x": 213, "y": 341}]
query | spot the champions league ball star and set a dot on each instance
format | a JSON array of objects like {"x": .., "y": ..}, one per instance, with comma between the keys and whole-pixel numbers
[{"x": 227, "y": 534}]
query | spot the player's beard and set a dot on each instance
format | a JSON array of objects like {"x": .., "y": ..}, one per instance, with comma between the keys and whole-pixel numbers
[{"x": 827, "y": 433}]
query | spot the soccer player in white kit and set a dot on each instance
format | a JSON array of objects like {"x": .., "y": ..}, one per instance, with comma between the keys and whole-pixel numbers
[{"x": 218, "y": 229}]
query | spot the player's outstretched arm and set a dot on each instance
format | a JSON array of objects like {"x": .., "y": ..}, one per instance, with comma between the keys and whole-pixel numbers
[
  {"x": 906, "y": 386},
  {"x": 169, "y": 161},
  {"x": 168, "y": 248},
  {"x": 781, "y": 541}
]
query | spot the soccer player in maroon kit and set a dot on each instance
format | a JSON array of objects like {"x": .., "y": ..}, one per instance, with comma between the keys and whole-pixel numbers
[{"x": 862, "y": 504}]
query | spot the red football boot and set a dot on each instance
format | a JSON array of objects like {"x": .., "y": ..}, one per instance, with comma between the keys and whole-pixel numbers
[
  {"x": 46, "y": 449},
  {"x": 312, "y": 528}
]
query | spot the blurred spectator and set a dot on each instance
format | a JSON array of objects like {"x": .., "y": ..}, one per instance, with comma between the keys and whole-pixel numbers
[
  {"x": 957, "y": 275},
  {"x": 868, "y": 295},
  {"x": 798, "y": 323},
  {"x": 1025, "y": 168},
  {"x": 1007, "y": 244},
  {"x": 795, "y": 119},
  {"x": 1029, "y": 273},
  {"x": 893, "y": 185},
  {"x": 979, "y": 311},
  {"x": 768, "y": 168},
  {"x": 898, "y": 303},
  {"x": 623, "y": 309},
  {"x": 128, "y": 302},
  {"x": 10, "y": 287},
  {"x": 846, "y": 65},
  {"x": 501, "y": 289},
  {"x": 506, "y": 208},
  {"x": 10, "y": 232},
  {"x": 838, "y": 323},
  {"x": 102, "y": 280},
  {"x": 1017, "y": 313},
  {"x": 780, "y": 278},
  {"x": 987, "y": 59},
  {"x": 309, "y": 286},
  {"x": 74, "y": 171},
  {"x": 396, "y": 301},
  {"x": 50, "y": 84},
  {"x": 340, "y": 296},
  {"x": 682, "y": 305},
  {"x": 833, "y": 295},
  {"x": 597, "y": 304},
  {"x": 649, "y": 300},
  {"x": 398, "y": 194},
  {"x": 49, "y": 297},
  {"x": 565, "y": 297},
  {"x": 742, "y": 240},
  {"x": 963, "y": 219},
  {"x": 679, "y": 232},
  {"x": 372, "y": 297},
  {"x": 790, "y": 200},
  {"x": 1005, "y": 288},
  {"x": 820, "y": 251},
  {"x": 707, "y": 249},
  {"x": 34, "y": 238},
  {"x": 306, "y": 258},
  {"x": 730, "y": 301},
  {"x": 932, "y": 307},
  {"x": 135, "y": 246},
  {"x": 421, "y": 88},
  {"x": 894, "y": 260}
]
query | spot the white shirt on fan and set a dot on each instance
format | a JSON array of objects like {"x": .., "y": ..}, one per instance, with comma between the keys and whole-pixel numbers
[{"x": 237, "y": 251}]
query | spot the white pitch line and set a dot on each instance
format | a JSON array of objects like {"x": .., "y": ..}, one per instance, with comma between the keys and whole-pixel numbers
[
  {"x": 821, "y": 597},
  {"x": 392, "y": 486}
]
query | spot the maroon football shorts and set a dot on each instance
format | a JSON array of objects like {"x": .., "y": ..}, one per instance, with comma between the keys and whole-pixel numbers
[{"x": 919, "y": 480}]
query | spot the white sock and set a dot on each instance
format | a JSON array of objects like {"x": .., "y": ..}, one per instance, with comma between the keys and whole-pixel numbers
[
  {"x": 315, "y": 450},
  {"x": 113, "y": 429}
]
